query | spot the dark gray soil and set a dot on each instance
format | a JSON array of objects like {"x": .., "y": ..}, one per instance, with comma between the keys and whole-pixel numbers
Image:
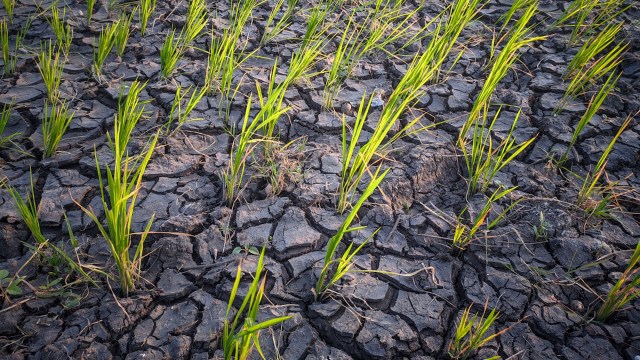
[{"x": 546, "y": 289}]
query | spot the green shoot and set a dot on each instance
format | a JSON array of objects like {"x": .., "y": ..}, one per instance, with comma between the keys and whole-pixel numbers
[
  {"x": 485, "y": 159},
  {"x": 197, "y": 18},
  {"x": 590, "y": 187},
  {"x": 50, "y": 68},
  {"x": 272, "y": 30},
  {"x": 62, "y": 29},
  {"x": 9, "y": 6},
  {"x": 123, "y": 30},
  {"x": 55, "y": 122},
  {"x": 501, "y": 65},
  {"x": 588, "y": 74},
  {"x": 177, "y": 113},
  {"x": 241, "y": 334},
  {"x": 625, "y": 289},
  {"x": 90, "y": 5},
  {"x": 10, "y": 57},
  {"x": 170, "y": 54},
  {"x": 105, "y": 44},
  {"x": 594, "y": 104},
  {"x": 591, "y": 48},
  {"x": 123, "y": 184},
  {"x": 604, "y": 13},
  {"x": 242, "y": 148},
  {"x": 515, "y": 7},
  {"x": 463, "y": 235},
  {"x": 471, "y": 333},
  {"x": 5, "y": 116},
  {"x": 146, "y": 8},
  {"x": 334, "y": 268}
]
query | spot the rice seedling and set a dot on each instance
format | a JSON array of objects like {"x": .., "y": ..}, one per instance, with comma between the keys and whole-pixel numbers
[
  {"x": 471, "y": 333},
  {"x": 90, "y": 5},
  {"x": 105, "y": 44},
  {"x": 241, "y": 334},
  {"x": 463, "y": 234},
  {"x": 624, "y": 291},
  {"x": 271, "y": 29},
  {"x": 61, "y": 28},
  {"x": 333, "y": 267},
  {"x": 358, "y": 40},
  {"x": 55, "y": 122},
  {"x": 170, "y": 54},
  {"x": 10, "y": 56},
  {"x": 50, "y": 67},
  {"x": 516, "y": 7},
  {"x": 315, "y": 25},
  {"x": 485, "y": 158},
  {"x": 596, "y": 199},
  {"x": 177, "y": 114},
  {"x": 122, "y": 32},
  {"x": 9, "y": 6},
  {"x": 5, "y": 116},
  {"x": 197, "y": 18},
  {"x": 146, "y": 8},
  {"x": 601, "y": 12},
  {"x": 500, "y": 66},
  {"x": 589, "y": 74},
  {"x": 123, "y": 184},
  {"x": 594, "y": 104},
  {"x": 591, "y": 48},
  {"x": 242, "y": 149},
  {"x": 222, "y": 62},
  {"x": 240, "y": 13}
]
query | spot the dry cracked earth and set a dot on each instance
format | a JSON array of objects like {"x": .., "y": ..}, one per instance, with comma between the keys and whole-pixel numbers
[{"x": 545, "y": 288}]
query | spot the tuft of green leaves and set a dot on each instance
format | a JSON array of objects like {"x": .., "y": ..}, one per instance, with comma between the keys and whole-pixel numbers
[
  {"x": 106, "y": 41},
  {"x": 61, "y": 28},
  {"x": 122, "y": 32},
  {"x": 179, "y": 115},
  {"x": 146, "y": 9},
  {"x": 334, "y": 268},
  {"x": 472, "y": 333},
  {"x": 170, "y": 54},
  {"x": 241, "y": 331},
  {"x": 123, "y": 184},
  {"x": 55, "y": 122},
  {"x": 9, "y": 6},
  {"x": 5, "y": 116},
  {"x": 10, "y": 56},
  {"x": 50, "y": 66}
]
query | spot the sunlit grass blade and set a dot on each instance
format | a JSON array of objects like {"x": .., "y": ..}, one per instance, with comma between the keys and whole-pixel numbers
[
  {"x": 103, "y": 47},
  {"x": 241, "y": 332},
  {"x": 594, "y": 104},
  {"x": 472, "y": 333},
  {"x": 197, "y": 18},
  {"x": 90, "y": 6},
  {"x": 61, "y": 28},
  {"x": 591, "y": 48},
  {"x": 170, "y": 54},
  {"x": 55, "y": 122},
  {"x": 50, "y": 66},
  {"x": 334, "y": 268},
  {"x": 177, "y": 113},
  {"x": 123, "y": 30},
  {"x": 5, "y": 116},
  {"x": 146, "y": 9}
]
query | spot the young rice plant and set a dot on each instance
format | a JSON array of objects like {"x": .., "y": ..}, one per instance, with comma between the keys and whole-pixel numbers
[
  {"x": 50, "y": 66},
  {"x": 55, "y": 122}
]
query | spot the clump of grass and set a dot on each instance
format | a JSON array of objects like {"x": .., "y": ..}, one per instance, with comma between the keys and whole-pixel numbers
[
  {"x": 197, "y": 18},
  {"x": 594, "y": 104},
  {"x": 596, "y": 199},
  {"x": 625, "y": 289},
  {"x": 106, "y": 41},
  {"x": 5, "y": 116},
  {"x": 464, "y": 234},
  {"x": 590, "y": 73},
  {"x": 472, "y": 333},
  {"x": 591, "y": 48},
  {"x": 146, "y": 8},
  {"x": 241, "y": 335},
  {"x": 516, "y": 7},
  {"x": 177, "y": 113},
  {"x": 10, "y": 56},
  {"x": 334, "y": 268},
  {"x": 271, "y": 29},
  {"x": 241, "y": 150},
  {"x": 62, "y": 29},
  {"x": 55, "y": 122},
  {"x": 50, "y": 66},
  {"x": 599, "y": 13},
  {"x": 123, "y": 184},
  {"x": 170, "y": 54},
  {"x": 485, "y": 158},
  {"x": 500, "y": 66},
  {"x": 122, "y": 32}
]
